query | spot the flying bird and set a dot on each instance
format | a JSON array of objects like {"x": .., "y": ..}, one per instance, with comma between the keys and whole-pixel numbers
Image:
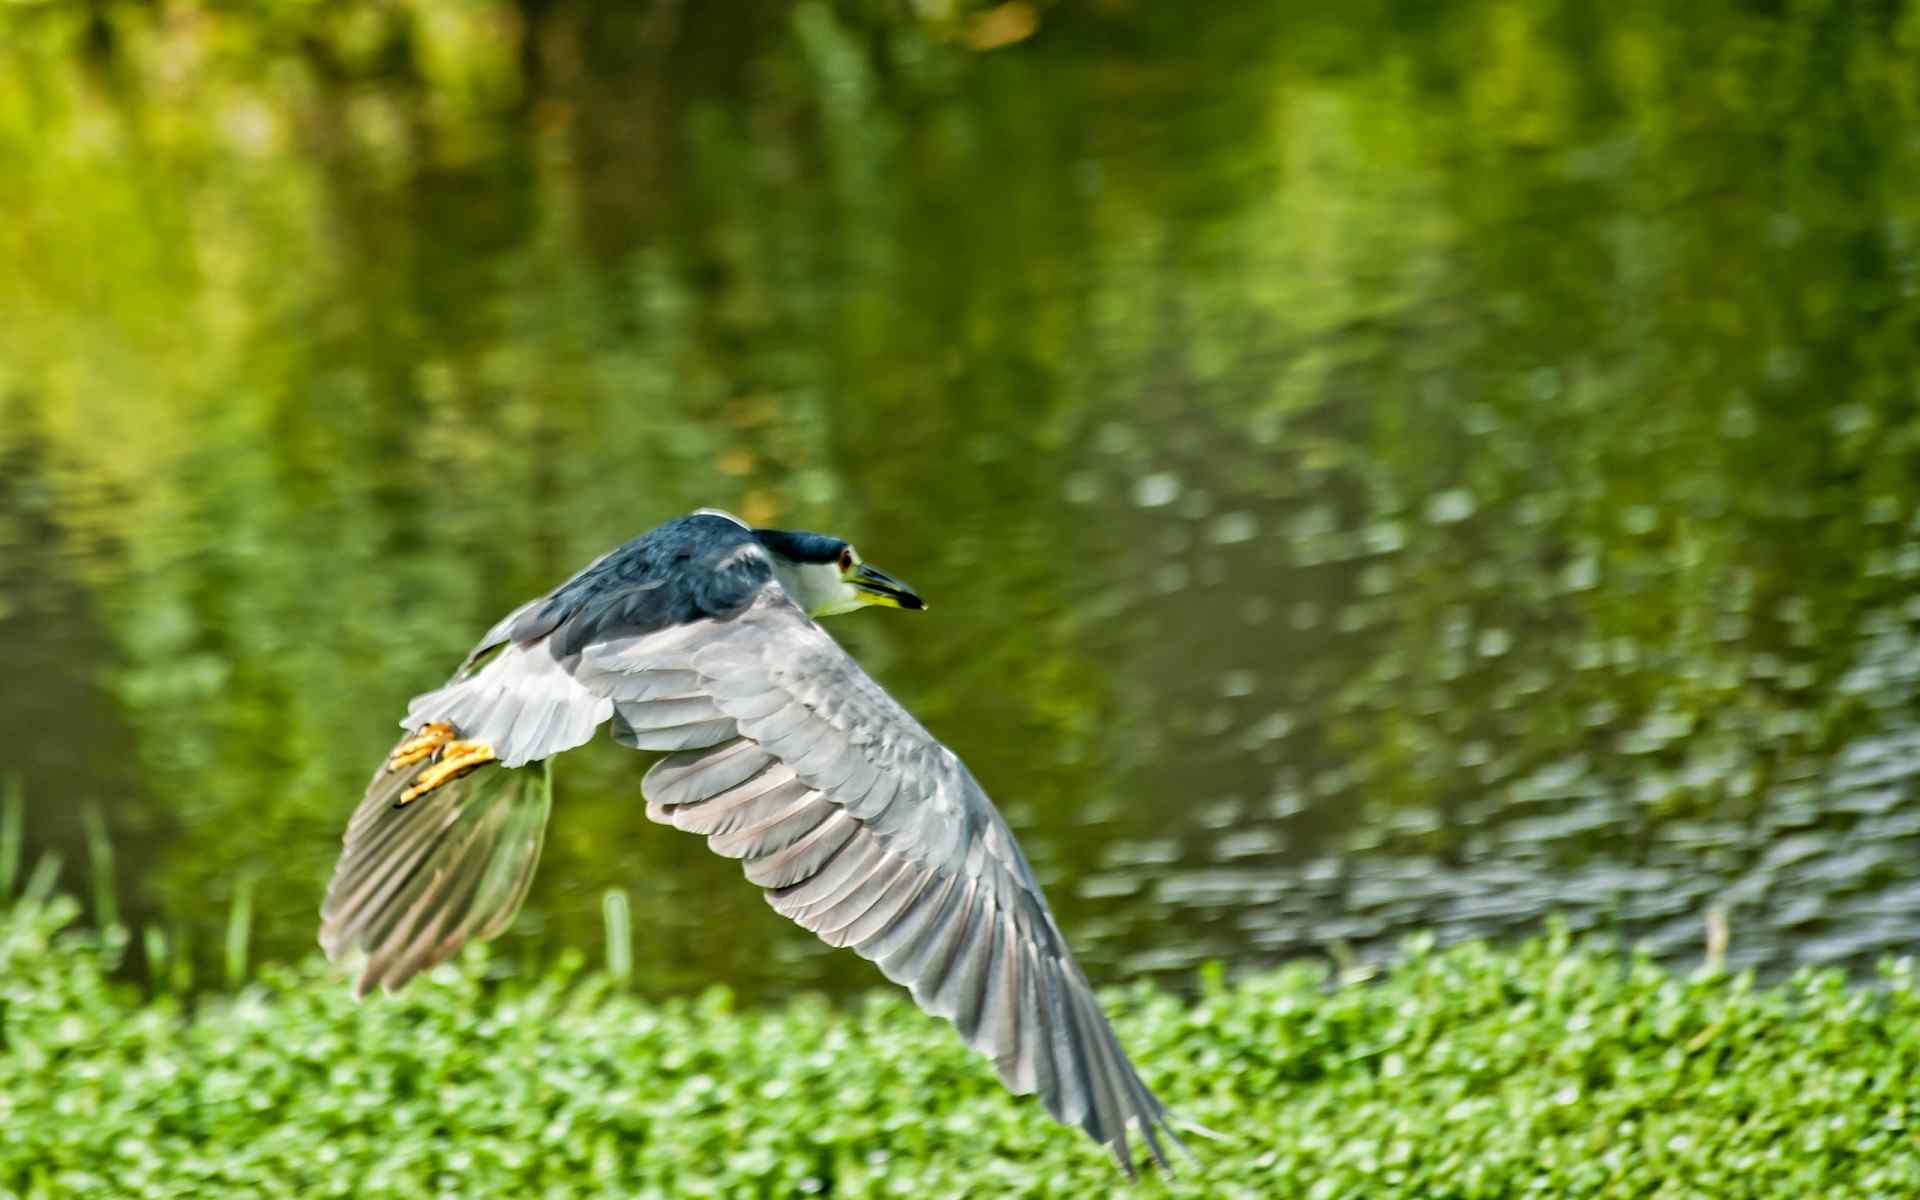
[{"x": 698, "y": 638}]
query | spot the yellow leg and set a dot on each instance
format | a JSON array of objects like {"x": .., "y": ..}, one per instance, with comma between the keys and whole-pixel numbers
[
  {"x": 422, "y": 745},
  {"x": 456, "y": 759}
]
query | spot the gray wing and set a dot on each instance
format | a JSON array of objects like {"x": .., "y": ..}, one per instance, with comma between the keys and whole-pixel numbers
[{"x": 873, "y": 835}]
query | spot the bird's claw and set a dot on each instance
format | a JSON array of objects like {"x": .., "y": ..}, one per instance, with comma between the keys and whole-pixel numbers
[
  {"x": 452, "y": 760},
  {"x": 424, "y": 743}
]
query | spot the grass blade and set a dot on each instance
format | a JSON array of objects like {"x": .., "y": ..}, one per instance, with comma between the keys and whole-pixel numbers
[
  {"x": 40, "y": 884},
  {"x": 239, "y": 930},
  {"x": 106, "y": 902},
  {"x": 12, "y": 834},
  {"x": 618, "y": 915}
]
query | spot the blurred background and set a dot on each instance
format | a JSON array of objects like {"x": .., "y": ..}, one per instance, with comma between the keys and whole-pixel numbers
[{"x": 1375, "y": 466}]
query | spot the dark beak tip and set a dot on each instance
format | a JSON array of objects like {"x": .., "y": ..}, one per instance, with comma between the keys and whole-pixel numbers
[{"x": 874, "y": 580}]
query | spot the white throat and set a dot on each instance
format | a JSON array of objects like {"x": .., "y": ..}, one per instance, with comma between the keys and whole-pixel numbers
[{"x": 816, "y": 587}]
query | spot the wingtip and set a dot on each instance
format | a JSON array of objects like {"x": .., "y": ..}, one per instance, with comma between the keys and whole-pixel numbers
[
  {"x": 1122, "y": 1153},
  {"x": 1151, "y": 1129}
]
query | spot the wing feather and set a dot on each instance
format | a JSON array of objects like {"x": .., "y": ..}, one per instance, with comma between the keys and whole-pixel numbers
[
  {"x": 837, "y": 883},
  {"x": 753, "y": 803},
  {"x": 912, "y": 866},
  {"x": 936, "y": 956},
  {"x": 668, "y": 711},
  {"x": 797, "y": 811},
  {"x": 829, "y": 913},
  {"x": 821, "y": 846},
  {"x": 693, "y": 777},
  {"x": 889, "y": 911},
  {"x": 896, "y": 950}
]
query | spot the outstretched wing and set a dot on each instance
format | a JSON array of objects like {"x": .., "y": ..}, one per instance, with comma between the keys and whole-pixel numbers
[{"x": 870, "y": 833}]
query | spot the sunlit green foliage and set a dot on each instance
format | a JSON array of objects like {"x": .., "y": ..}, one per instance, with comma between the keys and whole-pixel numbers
[{"x": 1545, "y": 1070}]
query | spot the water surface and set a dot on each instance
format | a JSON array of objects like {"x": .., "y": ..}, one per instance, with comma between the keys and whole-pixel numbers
[{"x": 1396, "y": 470}]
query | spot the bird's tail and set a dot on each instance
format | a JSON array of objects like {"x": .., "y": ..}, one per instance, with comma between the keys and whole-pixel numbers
[{"x": 439, "y": 853}]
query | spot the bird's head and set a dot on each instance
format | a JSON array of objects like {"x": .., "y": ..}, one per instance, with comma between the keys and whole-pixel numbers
[{"x": 825, "y": 576}]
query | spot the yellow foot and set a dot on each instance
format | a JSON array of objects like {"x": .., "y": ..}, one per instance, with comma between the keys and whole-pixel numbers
[
  {"x": 456, "y": 759},
  {"x": 421, "y": 746}
]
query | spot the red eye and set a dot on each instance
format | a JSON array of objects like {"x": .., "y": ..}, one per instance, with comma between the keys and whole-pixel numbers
[{"x": 846, "y": 558}]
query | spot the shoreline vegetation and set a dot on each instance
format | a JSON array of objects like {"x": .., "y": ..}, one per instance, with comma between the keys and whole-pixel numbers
[{"x": 1544, "y": 1068}]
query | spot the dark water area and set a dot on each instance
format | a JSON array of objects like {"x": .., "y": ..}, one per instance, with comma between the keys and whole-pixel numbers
[{"x": 1374, "y": 469}]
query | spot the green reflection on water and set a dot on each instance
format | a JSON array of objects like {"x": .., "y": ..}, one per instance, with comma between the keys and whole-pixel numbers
[{"x": 1411, "y": 469}]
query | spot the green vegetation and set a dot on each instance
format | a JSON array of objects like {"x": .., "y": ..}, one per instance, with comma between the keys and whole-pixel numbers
[{"x": 1546, "y": 1069}]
